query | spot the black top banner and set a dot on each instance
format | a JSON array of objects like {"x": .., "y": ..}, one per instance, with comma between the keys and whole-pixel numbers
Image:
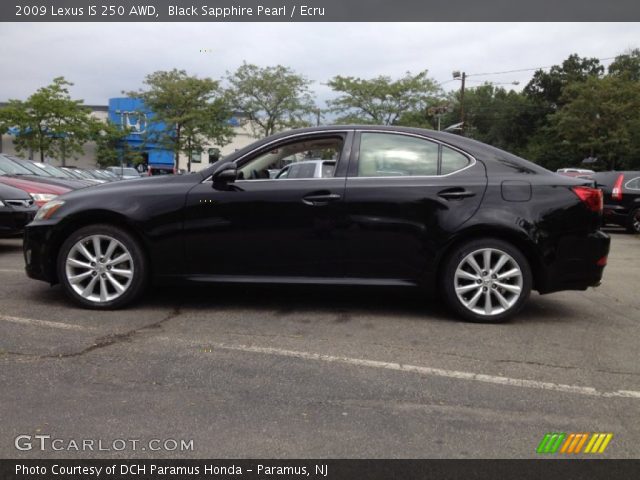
[{"x": 318, "y": 10}]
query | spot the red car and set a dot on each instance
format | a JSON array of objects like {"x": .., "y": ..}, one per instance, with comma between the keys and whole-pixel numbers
[{"x": 40, "y": 192}]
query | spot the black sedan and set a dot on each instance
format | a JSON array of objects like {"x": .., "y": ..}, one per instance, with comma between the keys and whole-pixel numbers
[
  {"x": 402, "y": 207},
  {"x": 621, "y": 198},
  {"x": 17, "y": 208}
]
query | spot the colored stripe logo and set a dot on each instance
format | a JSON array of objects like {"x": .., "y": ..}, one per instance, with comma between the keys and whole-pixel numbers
[{"x": 573, "y": 443}]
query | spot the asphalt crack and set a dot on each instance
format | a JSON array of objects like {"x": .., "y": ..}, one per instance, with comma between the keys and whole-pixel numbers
[{"x": 102, "y": 342}]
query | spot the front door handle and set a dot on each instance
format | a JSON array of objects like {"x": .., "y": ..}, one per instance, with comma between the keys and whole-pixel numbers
[
  {"x": 320, "y": 199},
  {"x": 455, "y": 193}
]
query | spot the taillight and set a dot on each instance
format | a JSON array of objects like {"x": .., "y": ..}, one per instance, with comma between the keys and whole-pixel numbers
[
  {"x": 616, "y": 194},
  {"x": 591, "y": 197}
]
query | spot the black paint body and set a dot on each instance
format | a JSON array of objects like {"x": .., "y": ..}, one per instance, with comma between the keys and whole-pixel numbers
[{"x": 378, "y": 230}]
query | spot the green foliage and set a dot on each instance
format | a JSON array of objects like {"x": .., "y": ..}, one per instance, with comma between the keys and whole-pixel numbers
[
  {"x": 273, "y": 98},
  {"x": 626, "y": 66},
  {"x": 601, "y": 117},
  {"x": 111, "y": 147},
  {"x": 381, "y": 100},
  {"x": 194, "y": 110},
  {"x": 49, "y": 122}
]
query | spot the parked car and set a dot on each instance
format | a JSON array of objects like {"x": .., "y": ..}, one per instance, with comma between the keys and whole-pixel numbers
[
  {"x": 59, "y": 173},
  {"x": 154, "y": 170},
  {"x": 40, "y": 192},
  {"x": 308, "y": 169},
  {"x": 621, "y": 198},
  {"x": 575, "y": 172},
  {"x": 17, "y": 208},
  {"x": 404, "y": 207},
  {"x": 124, "y": 173},
  {"x": 29, "y": 170},
  {"x": 83, "y": 175}
]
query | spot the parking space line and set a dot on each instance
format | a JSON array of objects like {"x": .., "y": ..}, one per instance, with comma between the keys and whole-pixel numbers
[
  {"x": 429, "y": 371},
  {"x": 11, "y": 270},
  {"x": 43, "y": 323}
]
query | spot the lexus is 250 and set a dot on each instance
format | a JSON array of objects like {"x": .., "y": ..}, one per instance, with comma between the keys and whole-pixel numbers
[{"x": 400, "y": 207}]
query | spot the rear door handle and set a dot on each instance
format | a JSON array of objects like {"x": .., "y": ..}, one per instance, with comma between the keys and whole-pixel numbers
[
  {"x": 320, "y": 199},
  {"x": 455, "y": 194}
]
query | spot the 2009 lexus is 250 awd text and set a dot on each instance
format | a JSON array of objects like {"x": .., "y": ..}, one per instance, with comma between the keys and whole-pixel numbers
[{"x": 391, "y": 206}]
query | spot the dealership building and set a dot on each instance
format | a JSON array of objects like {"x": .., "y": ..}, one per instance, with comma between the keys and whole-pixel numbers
[{"x": 131, "y": 113}]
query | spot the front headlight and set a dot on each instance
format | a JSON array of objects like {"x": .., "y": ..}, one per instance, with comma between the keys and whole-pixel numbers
[
  {"x": 43, "y": 197},
  {"x": 48, "y": 209}
]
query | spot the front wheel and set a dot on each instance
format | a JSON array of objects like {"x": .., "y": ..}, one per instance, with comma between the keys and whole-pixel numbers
[
  {"x": 102, "y": 267},
  {"x": 486, "y": 280}
]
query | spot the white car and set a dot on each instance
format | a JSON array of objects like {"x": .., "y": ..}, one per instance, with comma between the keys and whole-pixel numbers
[
  {"x": 125, "y": 173},
  {"x": 308, "y": 169}
]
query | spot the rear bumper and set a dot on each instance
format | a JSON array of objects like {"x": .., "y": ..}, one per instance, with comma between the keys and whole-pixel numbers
[
  {"x": 615, "y": 214},
  {"x": 576, "y": 264}
]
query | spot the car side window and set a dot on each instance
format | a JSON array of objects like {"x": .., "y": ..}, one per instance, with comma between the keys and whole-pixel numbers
[
  {"x": 633, "y": 184},
  {"x": 303, "y": 154},
  {"x": 452, "y": 161},
  {"x": 385, "y": 154}
]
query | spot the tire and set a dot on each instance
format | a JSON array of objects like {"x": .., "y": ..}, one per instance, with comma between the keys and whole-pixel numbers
[
  {"x": 466, "y": 287},
  {"x": 112, "y": 283},
  {"x": 633, "y": 223}
]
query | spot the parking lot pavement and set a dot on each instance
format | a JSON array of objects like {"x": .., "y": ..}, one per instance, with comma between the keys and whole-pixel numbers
[{"x": 308, "y": 372}]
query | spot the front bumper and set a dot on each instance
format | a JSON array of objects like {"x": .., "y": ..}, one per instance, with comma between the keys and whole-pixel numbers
[
  {"x": 39, "y": 252},
  {"x": 13, "y": 220},
  {"x": 576, "y": 264}
]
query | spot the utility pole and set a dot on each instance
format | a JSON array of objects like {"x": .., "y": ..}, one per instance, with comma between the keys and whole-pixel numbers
[{"x": 462, "y": 76}]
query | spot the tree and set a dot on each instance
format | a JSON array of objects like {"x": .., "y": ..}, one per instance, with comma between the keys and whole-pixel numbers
[
  {"x": 48, "y": 122},
  {"x": 546, "y": 87},
  {"x": 111, "y": 145},
  {"x": 601, "y": 118},
  {"x": 627, "y": 65},
  {"x": 381, "y": 100},
  {"x": 273, "y": 98},
  {"x": 503, "y": 118},
  {"x": 193, "y": 110}
]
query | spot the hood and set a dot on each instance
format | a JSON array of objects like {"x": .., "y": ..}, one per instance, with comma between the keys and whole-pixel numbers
[{"x": 33, "y": 187}]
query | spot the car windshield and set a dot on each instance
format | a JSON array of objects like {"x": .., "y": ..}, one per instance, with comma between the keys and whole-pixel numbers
[
  {"x": 12, "y": 168},
  {"x": 73, "y": 173},
  {"x": 127, "y": 171},
  {"x": 31, "y": 166},
  {"x": 53, "y": 171}
]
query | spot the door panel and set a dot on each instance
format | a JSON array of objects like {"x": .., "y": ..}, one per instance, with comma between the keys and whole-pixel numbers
[
  {"x": 267, "y": 227},
  {"x": 398, "y": 223}
]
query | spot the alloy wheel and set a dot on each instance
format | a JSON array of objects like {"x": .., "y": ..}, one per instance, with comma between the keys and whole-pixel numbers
[
  {"x": 488, "y": 282},
  {"x": 99, "y": 268},
  {"x": 635, "y": 223}
]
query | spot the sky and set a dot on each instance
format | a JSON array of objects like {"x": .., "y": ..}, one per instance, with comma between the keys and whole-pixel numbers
[{"x": 105, "y": 59}]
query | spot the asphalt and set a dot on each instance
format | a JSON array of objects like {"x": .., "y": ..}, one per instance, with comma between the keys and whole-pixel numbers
[{"x": 307, "y": 372}]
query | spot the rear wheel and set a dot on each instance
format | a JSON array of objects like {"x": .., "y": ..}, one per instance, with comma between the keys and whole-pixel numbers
[
  {"x": 102, "y": 267},
  {"x": 486, "y": 280},
  {"x": 633, "y": 224}
]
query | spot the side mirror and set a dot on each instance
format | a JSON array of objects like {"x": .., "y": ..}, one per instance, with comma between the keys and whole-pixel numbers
[{"x": 225, "y": 173}]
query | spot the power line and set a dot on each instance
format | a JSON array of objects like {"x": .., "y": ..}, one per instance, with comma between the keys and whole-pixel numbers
[{"x": 525, "y": 69}]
